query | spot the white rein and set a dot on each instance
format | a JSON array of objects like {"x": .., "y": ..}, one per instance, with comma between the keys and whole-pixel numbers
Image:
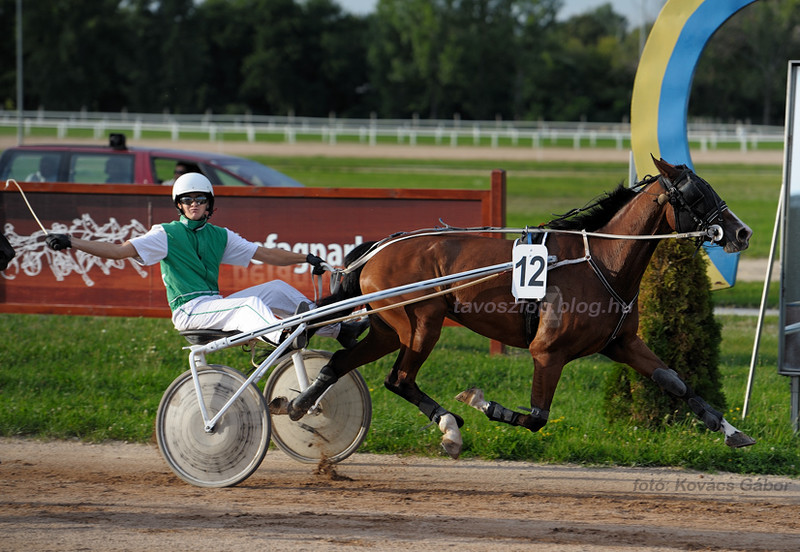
[{"x": 714, "y": 232}]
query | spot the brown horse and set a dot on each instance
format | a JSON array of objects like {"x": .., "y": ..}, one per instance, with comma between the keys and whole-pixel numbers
[{"x": 583, "y": 270}]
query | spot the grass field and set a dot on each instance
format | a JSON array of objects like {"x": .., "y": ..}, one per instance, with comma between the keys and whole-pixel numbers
[{"x": 102, "y": 378}]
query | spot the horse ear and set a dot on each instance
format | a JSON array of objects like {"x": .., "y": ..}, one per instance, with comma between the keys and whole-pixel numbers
[{"x": 663, "y": 167}]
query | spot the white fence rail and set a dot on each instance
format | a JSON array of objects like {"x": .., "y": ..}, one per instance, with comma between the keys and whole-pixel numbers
[{"x": 453, "y": 132}]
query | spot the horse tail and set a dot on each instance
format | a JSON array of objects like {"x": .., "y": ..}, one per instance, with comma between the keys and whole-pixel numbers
[{"x": 349, "y": 286}]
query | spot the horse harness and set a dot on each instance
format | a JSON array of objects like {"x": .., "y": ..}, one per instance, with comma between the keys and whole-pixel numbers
[
  {"x": 532, "y": 315},
  {"x": 685, "y": 198},
  {"x": 685, "y": 195}
]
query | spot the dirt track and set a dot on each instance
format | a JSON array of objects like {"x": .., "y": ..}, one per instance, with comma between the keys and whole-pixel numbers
[{"x": 72, "y": 496}]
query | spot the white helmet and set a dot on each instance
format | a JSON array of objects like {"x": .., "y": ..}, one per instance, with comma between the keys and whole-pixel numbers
[{"x": 191, "y": 182}]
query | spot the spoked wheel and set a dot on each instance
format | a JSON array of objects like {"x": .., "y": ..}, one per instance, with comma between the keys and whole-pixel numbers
[
  {"x": 235, "y": 447},
  {"x": 336, "y": 428}
]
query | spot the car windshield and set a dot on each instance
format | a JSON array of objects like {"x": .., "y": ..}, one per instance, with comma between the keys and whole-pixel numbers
[{"x": 255, "y": 173}]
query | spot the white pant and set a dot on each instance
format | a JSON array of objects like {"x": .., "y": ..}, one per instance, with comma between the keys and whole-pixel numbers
[{"x": 248, "y": 310}]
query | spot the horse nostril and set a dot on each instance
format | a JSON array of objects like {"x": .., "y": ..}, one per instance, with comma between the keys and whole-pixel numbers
[{"x": 743, "y": 235}]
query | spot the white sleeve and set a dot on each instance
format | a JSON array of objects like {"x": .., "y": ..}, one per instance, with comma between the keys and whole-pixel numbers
[
  {"x": 238, "y": 251},
  {"x": 151, "y": 247}
]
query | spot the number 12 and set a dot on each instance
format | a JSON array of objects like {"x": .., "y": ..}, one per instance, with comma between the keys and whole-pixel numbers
[{"x": 538, "y": 264}]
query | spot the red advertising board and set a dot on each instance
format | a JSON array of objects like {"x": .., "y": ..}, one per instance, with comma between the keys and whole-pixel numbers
[{"x": 323, "y": 221}]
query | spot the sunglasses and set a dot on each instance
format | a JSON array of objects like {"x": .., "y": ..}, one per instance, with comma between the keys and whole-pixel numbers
[{"x": 200, "y": 200}]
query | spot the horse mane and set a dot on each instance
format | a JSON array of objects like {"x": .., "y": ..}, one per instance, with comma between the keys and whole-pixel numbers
[{"x": 596, "y": 213}]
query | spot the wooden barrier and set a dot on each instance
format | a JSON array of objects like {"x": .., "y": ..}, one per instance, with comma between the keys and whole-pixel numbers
[{"x": 323, "y": 221}]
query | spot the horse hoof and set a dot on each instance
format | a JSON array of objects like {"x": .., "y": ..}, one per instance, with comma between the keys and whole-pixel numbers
[
  {"x": 279, "y": 406},
  {"x": 451, "y": 436},
  {"x": 472, "y": 397},
  {"x": 739, "y": 440},
  {"x": 452, "y": 448},
  {"x": 294, "y": 412}
]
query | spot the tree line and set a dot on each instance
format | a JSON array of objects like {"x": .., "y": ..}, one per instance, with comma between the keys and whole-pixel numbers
[{"x": 474, "y": 59}]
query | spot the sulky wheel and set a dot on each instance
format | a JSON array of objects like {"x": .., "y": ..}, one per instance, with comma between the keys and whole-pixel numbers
[
  {"x": 233, "y": 449},
  {"x": 335, "y": 429}
]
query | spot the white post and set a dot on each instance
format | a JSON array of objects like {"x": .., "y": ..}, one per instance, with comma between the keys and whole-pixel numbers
[
  {"x": 796, "y": 403},
  {"x": 760, "y": 324}
]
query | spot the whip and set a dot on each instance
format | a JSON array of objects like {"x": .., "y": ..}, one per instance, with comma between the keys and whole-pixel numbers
[{"x": 28, "y": 204}]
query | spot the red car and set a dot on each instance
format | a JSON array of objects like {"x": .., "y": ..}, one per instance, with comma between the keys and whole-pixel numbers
[{"x": 119, "y": 164}]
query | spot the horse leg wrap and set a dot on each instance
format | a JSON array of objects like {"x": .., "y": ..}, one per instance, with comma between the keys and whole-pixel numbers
[
  {"x": 305, "y": 400},
  {"x": 434, "y": 411},
  {"x": 536, "y": 420},
  {"x": 669, "y": 381},
  {"x": 499, "y": 413},
  {"x": 712, "y": 418}
]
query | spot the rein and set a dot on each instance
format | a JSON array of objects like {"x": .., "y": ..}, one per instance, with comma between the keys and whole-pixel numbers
[
  {"x": 447, "y": 229},
  {"x": 410, "y": 301},
  {"x": 707, "y": 230}
]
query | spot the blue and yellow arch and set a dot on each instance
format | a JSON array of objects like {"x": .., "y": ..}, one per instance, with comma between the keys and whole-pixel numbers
[{"x": 660, "y": 101}]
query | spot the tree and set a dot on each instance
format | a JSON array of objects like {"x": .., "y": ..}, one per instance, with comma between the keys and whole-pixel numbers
[
  {"x": 336, "y": 43},
  {"x": 479, "y": 65},
  {"x": 167, "y": 59},
  {"x": 306, "y": 57},
  {"x": 71, "y": 48},
  {"x": 8, "y": 51},
  {"x": 403, "y": 56},
  {"x": 229, "y": 27},
  {"x": 742, "y": 73},
  {"x": 435, "y": 58},
  {"x": 445, "y": 57},
  {"x": 585, "y": 72}
]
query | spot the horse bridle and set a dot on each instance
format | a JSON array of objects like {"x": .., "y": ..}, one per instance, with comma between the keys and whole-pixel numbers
[{"x": 697, "y": 206}]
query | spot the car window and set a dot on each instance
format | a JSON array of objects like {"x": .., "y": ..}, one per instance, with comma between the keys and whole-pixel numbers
[
  {"x": 163, "y": 168},
  {"x": 98, "y": 168},
  {"x": 222, "y": 178},
  {"x": 32, "y": 166},
  {"x": 166, "y": 169},
  {"x": 256, "y": 173}
]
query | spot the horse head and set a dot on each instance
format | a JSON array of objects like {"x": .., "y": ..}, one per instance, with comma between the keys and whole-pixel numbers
[{"x": 697, "y": 207}]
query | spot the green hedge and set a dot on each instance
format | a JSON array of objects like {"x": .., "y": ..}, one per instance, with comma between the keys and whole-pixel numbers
[{"x": 677, "y": 323}]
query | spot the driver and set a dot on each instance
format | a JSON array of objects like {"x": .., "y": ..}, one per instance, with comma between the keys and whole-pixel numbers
[{"x": 191, "y": 251}]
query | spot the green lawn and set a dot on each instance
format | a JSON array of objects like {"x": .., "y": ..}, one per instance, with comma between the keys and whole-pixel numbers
[{"x": 102, "y": 378}]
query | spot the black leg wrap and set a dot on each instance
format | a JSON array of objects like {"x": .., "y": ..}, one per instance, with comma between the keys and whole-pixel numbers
[
  {"x": 327, "y": 375},
  {"x": 429, "y": 407},
  {"x": 305, "y": 400},
  {"x": 499, "y": 413},
  {"x": 434, "y": 411},
  {"x": 536, "y": 420},
  {"x": 669, "y": 381},
  {"x": 710, "y": 417}
]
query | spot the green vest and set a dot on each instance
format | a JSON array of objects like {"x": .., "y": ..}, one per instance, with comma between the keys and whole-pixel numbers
[{"x": 191, "y": 267}]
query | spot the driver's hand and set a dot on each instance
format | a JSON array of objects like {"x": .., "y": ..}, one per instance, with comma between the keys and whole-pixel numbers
[
  {"x": 57, "y": 242},
  {"x": 317, "y": 263}
]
